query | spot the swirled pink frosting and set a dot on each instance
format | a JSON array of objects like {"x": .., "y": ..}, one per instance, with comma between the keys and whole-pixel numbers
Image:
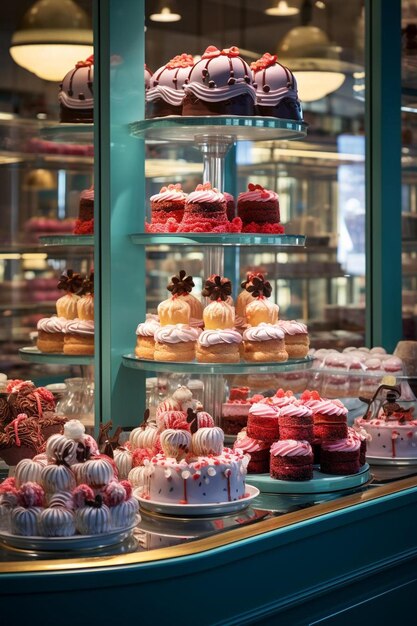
[
  {"x": 279, "y": 402},
  {"x": 327, "y": 407},
  {"x": 52, "y": 324},
  {"x": 148, "y": 327},
  {"x": 170, "y": 195},
  {"x": 79, "y": 327},
  {"x": 247, "y": 444},
  {"x": 258, "y": 195},
  {"x": 358, "y": 431},
  {"x": 263, "y": 332},
  {"x": 212, "y": 337},
  {"x": 290, "y": 447},
  {"x": 292, "y": 327},
  {"x": 87, "y": 194},
  {"x": 350, "y": 444},
  {"x": 205, "y": 195},
  {"x": 262, "y": 410},
  {"x": 295, "y": 409},
  {"x": 176, "y": 333}
]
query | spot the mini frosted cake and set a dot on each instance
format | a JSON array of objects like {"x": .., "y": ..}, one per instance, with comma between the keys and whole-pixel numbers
[
  {"x": 235, "y": 411},
  {"x": 166, "y": 93},
  {"x": 258, "y": 208},
  {"x": 219, "y": 84},
  {"x": 76, "y": 99},
  {"x": 276, "y": 89},
  {"x": 51, "y": 334},
  {"x": 195, "y": 468},
  {"x": 205, "y": 211},
  {"x": 167, "y": 209},
  {"x": 84, "y": 224}
]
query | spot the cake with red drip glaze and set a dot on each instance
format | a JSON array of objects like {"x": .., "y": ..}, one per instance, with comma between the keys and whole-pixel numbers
[
  {"x": 165, "y": 94},
  {"x": 258, "y": 208},
  {"x": 276, "y": 89},
  {"x": 291, "y": 460},
  {"x": 85, "y": 222},
  {"x": 205, "y": 211},
  {"x": 219, "y": 84},
  {"x": 76, "y": 99}
]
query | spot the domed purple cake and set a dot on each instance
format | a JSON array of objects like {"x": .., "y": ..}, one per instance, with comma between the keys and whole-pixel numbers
[
  {"x": 276, "y": 89},
  {"x": 165, "y": 95},
  {"x": 76, "y": 98},
  {"x": 219, "y": 84}
]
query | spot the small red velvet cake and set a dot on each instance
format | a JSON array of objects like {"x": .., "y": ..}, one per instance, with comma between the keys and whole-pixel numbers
[
  {"x": 166, "y": 91},
  {"x": 85, "y": 222},
  {"x": 329, "y": 416},
  {"x": 219, "y": 84},
  {"x": 291, "y": 460},
  {"x": 258, "y": 208},
  {"x": 258, "y": 451},
  {"x": 364, "y": 437},
  {"x": 296, "y": 422},
  {"x": 263, "y": 422},
  {"x": 235, "y": 411},
  {"x": 341, "y": 456},
  {"x": 205, "y": 211},
  {"x": 167, "y": 209},
  {"x": 230, "y": 206}
]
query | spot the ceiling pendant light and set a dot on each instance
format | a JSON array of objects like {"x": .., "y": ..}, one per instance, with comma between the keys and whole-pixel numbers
[
  {"x": 166, "y": 12},
  {"x": 282, "y": 9},
  {"x": 53, "y": 36}
]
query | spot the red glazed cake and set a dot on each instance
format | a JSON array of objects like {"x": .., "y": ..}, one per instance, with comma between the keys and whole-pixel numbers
[
  {"x": 295, "y": 422},
  {"x": 291, "y": 460},
  {"x": 341, "y": 456},
  {"x": 276, "y": 89},
  {"x": 85, "y": 222},
  {"x": 165, "y": 94},
  {"x": 329, "y": 416},
  {"x": 76, "y": 99},
  {"x": 205, "y": 211},
  {"x": 263, "y": 422},
  {"x": 167, "y": 209},
  {"x": 258, "y": 209},
  {"x": 219, "y": 84},
  {"x": 258, "y": 451}
]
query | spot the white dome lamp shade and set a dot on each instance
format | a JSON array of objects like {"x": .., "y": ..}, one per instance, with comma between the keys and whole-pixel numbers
[
  {"x": 53, "y": 36},
  {"x": 282, "y": 9},
  {"x": 166, "y": 12}
]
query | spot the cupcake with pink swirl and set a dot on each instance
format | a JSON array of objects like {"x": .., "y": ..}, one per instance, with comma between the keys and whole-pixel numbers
[
  {"x": 167, "y": 209},
  {"x": 258, "y": 208},
  {"x": 291, "y": 460},
  {"x": 205, "y": 211},
  {"x": 258, "y": 451},
  {"x": 340, "y": 456}
]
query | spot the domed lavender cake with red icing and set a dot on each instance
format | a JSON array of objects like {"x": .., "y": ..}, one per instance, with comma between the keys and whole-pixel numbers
[
  {"x": 76, "y": 99},
  {"x": 205, "y": 211},
  {"x": 165, "y": 94},
  {"x": 258, "y": 208},
  {"x": 276, "y": 89},
  {"x": 219, "y": 84}
]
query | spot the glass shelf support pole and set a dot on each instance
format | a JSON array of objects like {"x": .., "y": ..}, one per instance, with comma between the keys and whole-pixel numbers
[{"x": 214, "y": 150}]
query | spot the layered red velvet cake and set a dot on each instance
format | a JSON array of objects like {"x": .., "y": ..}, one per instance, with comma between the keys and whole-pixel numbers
[
  {"x": 76, "y": 99},
  {"x": 263, "y": 422},
  {"x": 235, "y": 411},
  {"x": 341, "y": 456},
  {"x": 167, "y": 209},
  {"x": 219, "y": 84},
  {"x": 276, "y": 89},
  {"x": 296, "y": 422},
  {"x": 205, "y": 211},
  {"x": 291, "y": 460},
  {"x": 329, "y": 416},
  {"x": 165, "y": 94},
  {"x": 258, "y": 451},
  {"x": 258, "y": 208},
  {"x": 85, "y": 222},
  {"x": 230, "y": 206}
]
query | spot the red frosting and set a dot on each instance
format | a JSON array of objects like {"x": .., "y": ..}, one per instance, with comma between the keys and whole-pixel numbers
[
  {"x": 181, "y": 60},
  {"x": 265, "y": 61},
  {"x": 212, "y": 52}
]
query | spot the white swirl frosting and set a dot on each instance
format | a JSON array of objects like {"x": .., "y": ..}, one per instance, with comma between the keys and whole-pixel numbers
[
  {"x": 205, "y": 195},
  {"x": 143, "y": 437},
  {"x": 175, "y": 443},
  {"x": 258, "y": 195},
  {"x": 327, "y": 407},
  {"x": 79, "y": 327},
  {"x": 263, "y": 332},
  {"x": 213, "y": 337},
  {"x": 292, "y": 327},
  {"x": 291, "y": 447},
  {"x": 52, "y": 324},
  {"x": 208, "y": 441},
  {"x": 170, "y": 195},
  {"x": 176, "y": 333},
  {"x": 148, "y": 328}
]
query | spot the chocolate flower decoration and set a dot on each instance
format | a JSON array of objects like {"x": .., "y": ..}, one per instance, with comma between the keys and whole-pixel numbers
[
  {"x": 88, "y": 284},
  {"x": 180, "y": 284},
  {"x": 192, "y": 420},
  {"x": 70, "y": 281},
  {"x": 259, "y": 287},
  {"x": 217, "y": 288}
]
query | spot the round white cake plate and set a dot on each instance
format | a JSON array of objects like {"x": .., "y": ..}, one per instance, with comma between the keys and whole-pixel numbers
[
  {"x": 74, "y": 543},
  {"x": 195, "y": 510},
  {"x": 320, "y": 483},
  {"x": 380, "y": 460}
]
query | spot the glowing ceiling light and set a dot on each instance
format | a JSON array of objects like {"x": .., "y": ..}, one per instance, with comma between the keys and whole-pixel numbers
[{"x": 282, "y": 9}]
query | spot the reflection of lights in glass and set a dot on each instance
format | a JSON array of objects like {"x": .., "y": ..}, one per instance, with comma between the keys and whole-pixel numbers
[
  {"x": 317, "y": 85},
  {"x": 320, "y": 4},
  {"x": 166, "y": 13},
  {"x": 282, "y": 10},
  {"x": 54, "y": 35}
]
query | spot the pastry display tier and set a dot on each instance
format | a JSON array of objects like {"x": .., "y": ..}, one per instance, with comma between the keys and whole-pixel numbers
[
  {"x": 67, "y": 240},
  {"x": 186, "y": 129},
  {"x": 320, "y": 483},
  {"x": 33, "y": 355},
  {"x": 243, "y": 367},
  {"x": 214, "y": 239},
  {"x": 69, "y": 133}
]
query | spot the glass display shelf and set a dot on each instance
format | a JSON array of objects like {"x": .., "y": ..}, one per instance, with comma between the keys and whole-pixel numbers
[
  {"x": 69, "y": 133},
  {"x": 218, "y": 239},
  {"x": 192, "y": 367},
  {"x": 186, "y": 129},
  {"x": 67, "y": 240},
  {"x": 33, "y": 355}
]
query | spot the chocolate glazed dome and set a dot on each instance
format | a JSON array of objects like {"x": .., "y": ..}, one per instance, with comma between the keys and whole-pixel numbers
[
  {"x": 219, "y": 84},
  {"x": 76, "y": 97}
]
